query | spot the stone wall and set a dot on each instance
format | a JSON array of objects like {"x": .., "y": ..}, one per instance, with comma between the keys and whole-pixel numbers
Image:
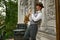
[{"x": 50, "y": 18}]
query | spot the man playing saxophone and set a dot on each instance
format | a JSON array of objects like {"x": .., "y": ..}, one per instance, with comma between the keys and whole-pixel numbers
[{"x": 34, "y": 19}]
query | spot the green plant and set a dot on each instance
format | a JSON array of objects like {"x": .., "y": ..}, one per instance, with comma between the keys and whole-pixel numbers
[{"x": 11, "y": 16}]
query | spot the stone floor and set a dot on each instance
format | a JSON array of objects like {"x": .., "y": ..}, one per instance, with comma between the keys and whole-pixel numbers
[
  {"x": 37, "y": 39},
  {"x": 42, "y": 38}
]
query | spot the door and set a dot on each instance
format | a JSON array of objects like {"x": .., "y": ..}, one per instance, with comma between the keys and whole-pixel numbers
[{"x": 57, "y": 19}]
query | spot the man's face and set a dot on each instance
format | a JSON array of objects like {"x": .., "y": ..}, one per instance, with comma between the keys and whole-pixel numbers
[{"x": 38, "y": 8}]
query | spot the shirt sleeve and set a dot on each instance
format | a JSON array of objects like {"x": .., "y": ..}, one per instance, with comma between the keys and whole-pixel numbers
[{"x": 38, "y": 17}]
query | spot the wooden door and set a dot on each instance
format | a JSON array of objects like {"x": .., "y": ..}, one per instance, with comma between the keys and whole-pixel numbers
[{"x": 57, "y": 19}]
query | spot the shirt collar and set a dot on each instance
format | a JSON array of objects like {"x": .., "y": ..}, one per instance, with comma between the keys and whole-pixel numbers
[{"x": 38, "y": 11}]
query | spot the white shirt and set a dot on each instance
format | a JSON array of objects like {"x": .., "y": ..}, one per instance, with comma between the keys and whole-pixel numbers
[{"x": 38, "y": 17}]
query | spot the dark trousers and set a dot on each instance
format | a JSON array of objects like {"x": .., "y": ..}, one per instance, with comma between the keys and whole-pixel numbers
[{"x": 31, "y": 32}]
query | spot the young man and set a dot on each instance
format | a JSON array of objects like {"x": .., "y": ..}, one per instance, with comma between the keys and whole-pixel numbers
[{"x": 35, "y": 19}]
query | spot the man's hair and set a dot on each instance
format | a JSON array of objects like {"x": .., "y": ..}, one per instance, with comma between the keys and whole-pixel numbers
[{"x": 40, "y": 4}]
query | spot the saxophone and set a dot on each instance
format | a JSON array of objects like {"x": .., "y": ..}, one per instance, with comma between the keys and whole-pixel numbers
[{"x": 26, "y": 18}]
